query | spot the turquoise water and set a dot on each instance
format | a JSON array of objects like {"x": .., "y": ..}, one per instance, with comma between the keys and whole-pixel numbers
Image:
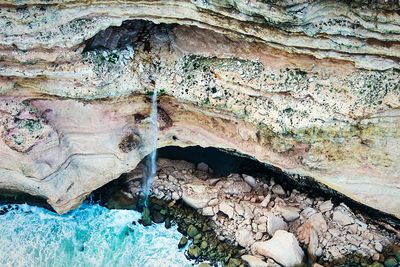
[{"x": 89, "y": 236}]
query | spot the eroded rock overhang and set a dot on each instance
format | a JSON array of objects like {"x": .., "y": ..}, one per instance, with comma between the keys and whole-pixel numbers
[{"x": 311, "y": 88}]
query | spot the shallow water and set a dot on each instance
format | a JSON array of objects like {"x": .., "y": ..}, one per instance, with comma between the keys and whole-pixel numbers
[{"x": 89, "y": 236}]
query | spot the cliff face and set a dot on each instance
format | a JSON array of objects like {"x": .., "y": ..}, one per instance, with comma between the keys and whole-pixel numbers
[{"x": 311, "y": 88}]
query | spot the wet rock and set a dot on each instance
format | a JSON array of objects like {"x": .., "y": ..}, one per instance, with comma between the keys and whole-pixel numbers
[
  {"x": 203, "y": 245},
  {"x": 182, "y": 242},
  {"x": 192, "y": 231},
  {"x": 283, "y": 248},
  {"x": 168, "y": 223},
  {"x": 275, "y": 223},
  {"x": 254, "y": 261},
  {"x": 194, "y": 252},
  {"x": 244, "y": 238},
  {"x": 157, "y": 217},
  {"x": 226, "y": 209},
  {"x": 233, "y": 262},
  {"x": 391, "y": 262},
  {"x": 146, "y": 219},
  {"x": 376, "y": 264},
  {"x": 250, "y": 180}
]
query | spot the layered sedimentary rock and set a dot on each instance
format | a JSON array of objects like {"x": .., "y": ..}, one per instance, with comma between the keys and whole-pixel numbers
[{"x": 311, "y": 88}]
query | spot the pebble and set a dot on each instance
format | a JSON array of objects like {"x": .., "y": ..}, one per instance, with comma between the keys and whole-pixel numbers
[
  {"x": 266, "y": 201},
  {"x": 277, "y": 189},
  {"x": 275, "y": 223},
  {"x": 250, "y": 180}
]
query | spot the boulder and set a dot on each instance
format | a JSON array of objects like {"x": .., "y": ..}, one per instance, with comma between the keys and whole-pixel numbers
[
  {"x": 244, "y": 238},
  {"x": 202, "y": 167},
  {"x": 250, "y": 180},
  {"x": 208, "y": 211},
  {"x": 283, "y": 248},
  {"x": 254, "y": 261},
  {"x": 182, "y": 242},
  {"x": 342, "y": 218},
  {"x": 237, "y": 188},
  {"x": 289, "y": 213},
  {"x": 194, "y": 252},
  {"x": 226, "y": 209},
  {"x": 275, "y": 223},
  {"x": 197, "y": 195}
]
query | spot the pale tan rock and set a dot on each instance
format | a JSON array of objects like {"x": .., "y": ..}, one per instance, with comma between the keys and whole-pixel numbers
[
  {"x": 197, "y": 195},
  {"x": 266, "y": 201},
  {"x": 283, "y": 248},
  {"x": 342, "y": 218},
  {"x": 225, "y": 208},
  {"x": 208, "y": 211},
  {"x": 288, "y": 213},
  {"x": 326, "y": 206},
  {"x": 244, "y": 238},
  {"x": 254, "y": 261},
  {"x": 275, "y": 223}
]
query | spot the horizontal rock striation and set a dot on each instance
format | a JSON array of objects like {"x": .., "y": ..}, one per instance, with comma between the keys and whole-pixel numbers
[{"x": 309, "y": 87}]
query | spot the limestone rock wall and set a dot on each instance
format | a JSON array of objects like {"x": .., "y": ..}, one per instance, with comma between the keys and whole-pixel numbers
[{"x": 309, "y": 87}]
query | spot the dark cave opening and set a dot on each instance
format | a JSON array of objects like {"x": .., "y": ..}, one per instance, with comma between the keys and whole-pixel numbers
[{"x": 221, "y": 162}]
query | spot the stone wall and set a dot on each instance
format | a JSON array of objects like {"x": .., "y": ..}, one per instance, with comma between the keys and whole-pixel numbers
[{"x": 311, "y": 88}]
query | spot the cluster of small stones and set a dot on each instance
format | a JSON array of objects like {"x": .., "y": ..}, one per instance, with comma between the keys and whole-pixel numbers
[{"x": 248, "y": 212}]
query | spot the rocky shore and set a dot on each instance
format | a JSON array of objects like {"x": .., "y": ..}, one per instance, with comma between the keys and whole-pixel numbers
[{"x": 269, "y": 225}]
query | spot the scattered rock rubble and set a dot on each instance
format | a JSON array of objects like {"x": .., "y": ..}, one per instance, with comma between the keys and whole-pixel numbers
[{"x": 265, "y": 219}]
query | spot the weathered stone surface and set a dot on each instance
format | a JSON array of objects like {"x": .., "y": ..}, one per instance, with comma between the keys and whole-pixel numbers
[
  {"x": 250, "y": 180},
  {"x": 244, "y": 238},
  {"x": 253, "y": 261},
  {"x": 342, "y": 218},
  {"x": 282, "y": 248},
  {"x": 197, "y": 195},
  {"x": 289, "y": 214},
  {"x": 226, "y": 209},
  {"x": 275, "y": 223},
  {"x": 309, "y": 87}
]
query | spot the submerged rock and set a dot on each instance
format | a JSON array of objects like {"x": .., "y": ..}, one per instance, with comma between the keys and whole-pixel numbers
[
  {"x": 194, "y": 251},
  {"x": 146, "y": 218},
  {"x": 182, "y": 242}
]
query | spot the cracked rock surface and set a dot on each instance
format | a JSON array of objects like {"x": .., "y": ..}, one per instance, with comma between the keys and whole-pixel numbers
[{"x": 310, "y": 87}]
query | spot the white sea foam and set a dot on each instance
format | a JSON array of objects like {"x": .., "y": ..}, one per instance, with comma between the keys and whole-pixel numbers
[{"x": 89, "y": 236}]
